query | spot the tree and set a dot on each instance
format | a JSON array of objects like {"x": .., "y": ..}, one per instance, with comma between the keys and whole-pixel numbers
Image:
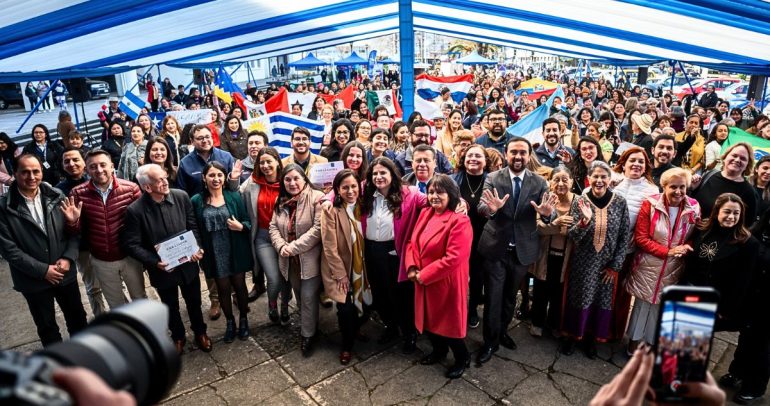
[{"x": 465, "y": 47}]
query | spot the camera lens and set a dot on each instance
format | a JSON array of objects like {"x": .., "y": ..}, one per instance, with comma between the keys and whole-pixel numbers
[{"x": 128, "y": 348}]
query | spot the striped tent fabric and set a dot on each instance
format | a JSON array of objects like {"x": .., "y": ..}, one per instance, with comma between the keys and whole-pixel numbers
[{"x": 74, "y": 38}]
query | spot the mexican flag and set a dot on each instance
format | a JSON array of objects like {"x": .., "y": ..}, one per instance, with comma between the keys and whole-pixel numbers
[
  {"x": 386, "y": 98},
  {"x": 761, "y": 146}
]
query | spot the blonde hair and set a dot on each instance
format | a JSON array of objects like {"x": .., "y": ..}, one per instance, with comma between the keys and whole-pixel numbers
[
  {"x": 749, "y": 149},
  {"x": 463, "y": 135},
  {"x": 672, "y": 173}
]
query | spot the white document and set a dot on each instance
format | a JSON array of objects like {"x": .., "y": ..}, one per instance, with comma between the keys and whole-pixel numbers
[
  {"x": 323, "y": 174},
  {"x": 177, "y": 250}
]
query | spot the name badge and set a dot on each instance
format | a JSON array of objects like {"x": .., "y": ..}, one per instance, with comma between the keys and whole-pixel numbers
[{"x": 46, "y": 165}]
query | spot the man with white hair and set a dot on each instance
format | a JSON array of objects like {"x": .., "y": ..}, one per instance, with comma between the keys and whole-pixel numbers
[{"x": 162, "y": 213}]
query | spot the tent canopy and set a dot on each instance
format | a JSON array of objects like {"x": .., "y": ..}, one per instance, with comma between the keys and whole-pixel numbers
[
  {"x": 388, "y": 61},
  {"x": 351, "y": 60},
  {"x": 71, "y": 38},
  {"x": 474, "y": 58},
  {"x": 310, "y": 61}
]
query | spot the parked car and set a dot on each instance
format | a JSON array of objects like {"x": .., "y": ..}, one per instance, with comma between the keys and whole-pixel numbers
[
  {"x": 658, "y": 87},
  {"x": 10, "y": 93},
  {"x": 737, "y": 90},
  {"x": 98, "y": 88},
  {"x": 700, "y": 85}
]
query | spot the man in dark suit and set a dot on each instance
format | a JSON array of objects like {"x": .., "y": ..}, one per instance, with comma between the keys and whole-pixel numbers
[
  {"x": 509, "y": 241},
  {"x": 160, "y": 214}
]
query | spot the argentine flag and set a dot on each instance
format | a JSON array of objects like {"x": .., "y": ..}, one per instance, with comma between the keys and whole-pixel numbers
[
  {"x": 531, "y": 126},
  {"x": 279, "y": 126},
  {"x": 132, "y": 105}
]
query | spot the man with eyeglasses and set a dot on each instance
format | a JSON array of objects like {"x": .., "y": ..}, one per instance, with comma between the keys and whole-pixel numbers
[
  {"x": 496, "y": 137},
  {"x": 420, "y": 135},
  {"x": 301, "y": 155},
  {"x": 159, "y": 214},
  {"x": 189, "y": 178}
]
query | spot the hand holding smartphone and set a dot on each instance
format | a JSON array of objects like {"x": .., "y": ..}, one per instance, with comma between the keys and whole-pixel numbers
[{"x": 683, "y": 340}]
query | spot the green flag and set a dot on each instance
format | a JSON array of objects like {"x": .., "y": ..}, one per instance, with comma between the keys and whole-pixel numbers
[
  {"x": 372, "y": 100},
  {"x": 761, "y": 146}
]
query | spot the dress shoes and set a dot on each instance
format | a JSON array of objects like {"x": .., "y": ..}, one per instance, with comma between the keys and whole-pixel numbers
[
  {"x": 257, "y": 291},
  {"x": 590, "y": 349},
  {"x": 306, "y": 346},
  {"x": 458, "y": 369},
  {"x": 179, "y": 344},
  {"x": 204, "y": 342},
  {"x": 729, "y": 381},
  {"x": 507, "y": 342},
  {"x": 745, "y": 398},
  {"x": 485, "y": 353},
  {"x": 215, "y": 311},
  {"x": 243, "y": 328},
  {"x": 432, "y": 358},
  {"x": 345, "y": 357},
  {"x": 410, "y": 343}
]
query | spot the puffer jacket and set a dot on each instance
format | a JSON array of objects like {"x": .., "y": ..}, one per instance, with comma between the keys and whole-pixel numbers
[
  {"x": 635, "y": 191},
  {"x": 653, "y": 269},
  {"x": 100, "y": 224},
  {"x": 307, "y": 224}
]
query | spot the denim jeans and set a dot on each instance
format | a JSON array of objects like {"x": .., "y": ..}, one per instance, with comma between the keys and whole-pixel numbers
[{"x": 268, "y": 260}]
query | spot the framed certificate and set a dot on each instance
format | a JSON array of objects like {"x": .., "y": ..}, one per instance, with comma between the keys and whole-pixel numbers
[
  {"x": 177, "y": 250},
  {"x": 323, "y": 174}
]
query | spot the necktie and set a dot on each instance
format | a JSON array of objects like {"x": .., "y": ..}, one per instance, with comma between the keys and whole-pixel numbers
[
  {"x": 516, "y": 193},
  {"x": 422, "y": 187}
]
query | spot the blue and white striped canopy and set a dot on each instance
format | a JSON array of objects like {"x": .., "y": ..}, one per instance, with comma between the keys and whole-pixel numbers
[{"x": 71, "y": 38}]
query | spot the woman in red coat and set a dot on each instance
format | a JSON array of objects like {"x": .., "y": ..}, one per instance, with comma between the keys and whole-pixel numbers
[{"x": 437, "y": 262}]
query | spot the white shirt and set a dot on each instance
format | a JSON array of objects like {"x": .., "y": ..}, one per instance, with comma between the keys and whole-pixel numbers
[
  {"x": 104, "y": 193},
  {"x": 35, "y": 207},
  {"x": 513, "y": 181},
  {"x": 379, "y": 225}
]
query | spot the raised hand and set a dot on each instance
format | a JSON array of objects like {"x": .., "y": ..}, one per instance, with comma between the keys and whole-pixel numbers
[
  {"x": 493, "y": 200},
  {"x": 237, "y": 170},
  {"x": 586, "y": 213},
  {"x": 547, "y": 203},
  {"x": 71, "y": 210}
]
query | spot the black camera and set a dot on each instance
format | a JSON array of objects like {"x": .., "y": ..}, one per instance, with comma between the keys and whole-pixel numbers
[{"x": 127, "y": 347}]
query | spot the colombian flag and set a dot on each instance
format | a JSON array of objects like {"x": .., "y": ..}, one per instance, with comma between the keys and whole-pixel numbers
[{"x": 761, "y": 146}]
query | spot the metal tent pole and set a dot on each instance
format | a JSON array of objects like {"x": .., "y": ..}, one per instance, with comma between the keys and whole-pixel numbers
[{"x": 406, "y": 47}]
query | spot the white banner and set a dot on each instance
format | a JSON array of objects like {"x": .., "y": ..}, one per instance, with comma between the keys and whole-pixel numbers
[{"x": 191, "y": 116}]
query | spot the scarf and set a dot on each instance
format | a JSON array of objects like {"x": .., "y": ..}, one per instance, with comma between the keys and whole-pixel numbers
[
  {"x": 291, "y": 206},
  {"x": 361, "y": 293}
]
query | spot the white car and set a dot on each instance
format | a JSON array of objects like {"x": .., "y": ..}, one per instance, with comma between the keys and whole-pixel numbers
[{"x": 735, "y": 91}]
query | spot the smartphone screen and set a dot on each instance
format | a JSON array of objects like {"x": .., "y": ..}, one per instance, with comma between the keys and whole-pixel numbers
[{"x": 683, "y": 346}]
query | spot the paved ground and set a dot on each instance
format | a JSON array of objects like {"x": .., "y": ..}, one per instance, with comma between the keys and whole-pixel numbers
[{"x": 269, "y": 369}]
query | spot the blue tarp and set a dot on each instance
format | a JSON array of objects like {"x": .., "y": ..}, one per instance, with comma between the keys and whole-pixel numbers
[
  {"x": 352, "y": 60},
  {"x": 475, "y": 59},
  {"x": 310, "y": 61}
]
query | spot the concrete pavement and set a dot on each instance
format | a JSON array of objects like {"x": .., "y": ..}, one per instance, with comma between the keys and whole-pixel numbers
[{"x": 268, "y": 368}]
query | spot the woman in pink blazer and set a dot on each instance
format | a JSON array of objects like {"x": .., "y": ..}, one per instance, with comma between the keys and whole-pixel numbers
[
  {"x": 390, "y": 211},
  {"x": 437, "y": 262}
]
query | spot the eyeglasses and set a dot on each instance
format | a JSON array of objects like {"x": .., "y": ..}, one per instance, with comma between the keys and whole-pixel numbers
[
  {"x": 303, "y": 139},
  {"x": 204, "y": 138}
]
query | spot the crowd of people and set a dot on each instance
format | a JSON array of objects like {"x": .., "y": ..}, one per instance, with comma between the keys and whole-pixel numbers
[{"x": 430, "y": 218}]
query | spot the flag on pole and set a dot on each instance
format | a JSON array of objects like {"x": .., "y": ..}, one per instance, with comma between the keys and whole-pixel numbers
[
  {"x": 531, "y": 126},
  {"x": 228, "y": 91},
  {"x": 132, "y": 105},
  {"x": 760, "y": 145},
  {"x": 385, "y": 98},
  {"x": 279, "y": 127},
  {"x": 279, "y": 102},
  {"x": 428, "y": 110},
  {"x": 429, "y": 87}
]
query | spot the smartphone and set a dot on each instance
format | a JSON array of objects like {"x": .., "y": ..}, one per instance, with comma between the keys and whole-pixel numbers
[{"x": 683, "y": 339}]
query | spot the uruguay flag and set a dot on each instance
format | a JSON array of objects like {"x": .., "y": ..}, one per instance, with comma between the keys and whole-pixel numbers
[
  {"x": 429, "y": 87},
  {"x": 132, "y": 105},
  {"x": 279, "y": 126},
  {"x": 531, "y": 126}
]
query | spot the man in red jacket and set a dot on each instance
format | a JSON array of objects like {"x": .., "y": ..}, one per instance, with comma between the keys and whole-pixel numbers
[{"x": 97, "y": 210}]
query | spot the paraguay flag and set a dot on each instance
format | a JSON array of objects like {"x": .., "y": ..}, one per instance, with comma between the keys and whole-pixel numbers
[
  {"x": 429, "y": 87},
  {"x": 132, "y": 105},
  {"x": 531, "y": 126},
  {"x": 279, "y": 126}
]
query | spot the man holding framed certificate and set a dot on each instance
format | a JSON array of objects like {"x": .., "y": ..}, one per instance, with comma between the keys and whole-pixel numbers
[{"x": 154, "y": 225}]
